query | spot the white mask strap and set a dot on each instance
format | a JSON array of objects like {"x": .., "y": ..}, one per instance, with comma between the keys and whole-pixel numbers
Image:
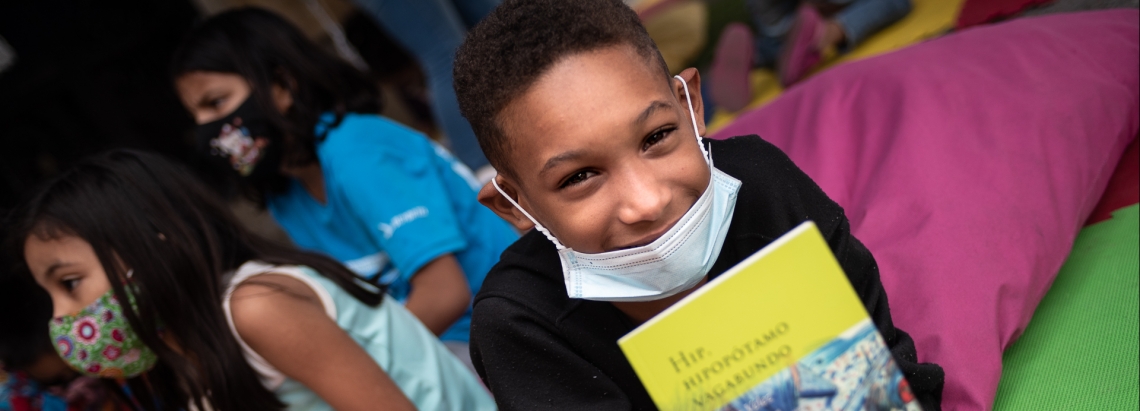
[
  {"x": 693, "y": 117},
  {"x": 537, "y": 226}
]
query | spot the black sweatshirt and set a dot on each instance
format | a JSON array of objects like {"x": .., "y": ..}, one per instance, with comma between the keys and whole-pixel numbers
[{"x": 536, "y": 348}]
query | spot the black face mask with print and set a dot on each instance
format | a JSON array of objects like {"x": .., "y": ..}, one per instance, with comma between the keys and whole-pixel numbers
[{"x": 247, "y": 143}]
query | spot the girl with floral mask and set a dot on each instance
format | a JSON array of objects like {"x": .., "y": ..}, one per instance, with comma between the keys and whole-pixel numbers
[{"x": 154, "y": 282}]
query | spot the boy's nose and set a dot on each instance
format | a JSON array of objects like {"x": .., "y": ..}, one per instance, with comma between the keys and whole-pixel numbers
[{"x": 644, "y": 199}]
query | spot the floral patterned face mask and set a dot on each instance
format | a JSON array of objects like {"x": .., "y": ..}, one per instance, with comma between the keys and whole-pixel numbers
[{"x": 99, "y": 342}]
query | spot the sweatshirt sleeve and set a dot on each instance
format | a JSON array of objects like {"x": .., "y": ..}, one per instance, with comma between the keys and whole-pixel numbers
[{"x": 525, "y": 362}]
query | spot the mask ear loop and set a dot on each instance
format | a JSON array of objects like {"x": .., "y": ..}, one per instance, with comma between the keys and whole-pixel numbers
[
  {"x": 558, "y": 245},
  {"x": 693, "y": 117}
]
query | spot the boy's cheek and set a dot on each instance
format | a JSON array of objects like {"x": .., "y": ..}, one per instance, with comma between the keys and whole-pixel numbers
[{"x": 581, "y": 231}]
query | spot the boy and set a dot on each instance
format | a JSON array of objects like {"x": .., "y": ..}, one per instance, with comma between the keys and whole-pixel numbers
[{"x": 597, "y": 148}]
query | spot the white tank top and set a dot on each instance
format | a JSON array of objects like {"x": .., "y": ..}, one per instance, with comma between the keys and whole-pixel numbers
[
  {"x": 427, "y": 373},
  {"x": 271, "y": 378}
]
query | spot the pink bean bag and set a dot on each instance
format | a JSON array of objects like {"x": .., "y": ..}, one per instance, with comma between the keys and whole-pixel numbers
[{"x": 967, "y": 164}]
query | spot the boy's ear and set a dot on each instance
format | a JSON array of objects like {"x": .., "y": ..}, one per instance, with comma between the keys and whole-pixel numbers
[
  {"x": 693, "y": 80},
  {"x": 491, "y": 198}
]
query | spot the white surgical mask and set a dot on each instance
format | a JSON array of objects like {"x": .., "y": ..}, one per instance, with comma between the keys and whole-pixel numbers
[{"x": 673, "y": 263}]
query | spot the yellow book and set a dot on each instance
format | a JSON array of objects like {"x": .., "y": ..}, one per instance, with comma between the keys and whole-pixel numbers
[{"x": 783, "y": 330}]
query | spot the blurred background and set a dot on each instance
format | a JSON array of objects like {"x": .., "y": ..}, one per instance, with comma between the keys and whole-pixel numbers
[{"x": 78, "y": 77}]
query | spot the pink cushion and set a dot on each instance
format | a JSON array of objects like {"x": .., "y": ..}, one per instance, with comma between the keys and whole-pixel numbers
[{"x": 967, "y": 165}]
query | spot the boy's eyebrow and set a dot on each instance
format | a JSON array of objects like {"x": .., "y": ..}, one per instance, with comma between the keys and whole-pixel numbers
[
  {"x": 649, "y": 110},
  {"x": 567, "y": 156}
]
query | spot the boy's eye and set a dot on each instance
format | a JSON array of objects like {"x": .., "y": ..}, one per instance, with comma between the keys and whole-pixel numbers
[
  {"x": 655, "y": 138},
  {"x": 576, "y": 178}
]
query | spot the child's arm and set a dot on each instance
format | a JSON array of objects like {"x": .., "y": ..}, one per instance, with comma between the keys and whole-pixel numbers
[
  {"x": 404, "y": 201},
  {"x": 440, "y": 294},
  {"x": 283, "y": 321}
]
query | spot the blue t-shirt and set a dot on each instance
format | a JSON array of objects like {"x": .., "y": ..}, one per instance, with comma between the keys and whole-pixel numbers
[{"x": 395, "y": 202}]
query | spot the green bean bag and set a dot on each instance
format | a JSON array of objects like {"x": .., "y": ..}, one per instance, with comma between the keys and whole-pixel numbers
[{"x": 1081, "y": 350}]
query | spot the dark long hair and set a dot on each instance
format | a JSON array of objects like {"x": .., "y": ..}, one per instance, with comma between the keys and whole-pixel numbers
[
  {"x": 153, "y": 216},
  {"x": 266, "y": 50}
]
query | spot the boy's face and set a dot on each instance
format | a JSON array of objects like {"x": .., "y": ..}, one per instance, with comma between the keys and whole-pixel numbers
[{"x": 603, "y": 151}]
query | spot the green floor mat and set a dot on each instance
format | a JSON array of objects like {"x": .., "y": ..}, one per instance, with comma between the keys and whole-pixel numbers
[{"x": 1081, "y": 351}]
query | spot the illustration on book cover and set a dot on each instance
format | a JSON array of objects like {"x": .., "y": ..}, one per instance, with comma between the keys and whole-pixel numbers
[{"x": 854, "y": 372}]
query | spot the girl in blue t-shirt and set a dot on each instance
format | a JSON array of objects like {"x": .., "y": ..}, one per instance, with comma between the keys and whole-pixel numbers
[
  {"x": 153, "y": 281},
  {"x": 300, "y": 129}
]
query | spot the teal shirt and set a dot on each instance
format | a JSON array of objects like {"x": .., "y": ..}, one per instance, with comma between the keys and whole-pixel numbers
[{"x": 395, "y": 202}]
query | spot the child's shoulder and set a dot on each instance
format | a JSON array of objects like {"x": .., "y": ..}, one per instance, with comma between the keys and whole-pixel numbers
[
  {"x": 742, "y": 156},
  {"x": 733, "y": 145},
  {"x": 370, "y": 137},
  {"x": 775, "y": 191},
  {"x": 352, "y": 122},
  {"x": 358, "y": 132},
  {"x": 767, "y": 173}
]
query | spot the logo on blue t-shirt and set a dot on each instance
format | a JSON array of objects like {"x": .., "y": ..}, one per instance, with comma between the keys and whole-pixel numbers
[{"x": 400, "y": 219}]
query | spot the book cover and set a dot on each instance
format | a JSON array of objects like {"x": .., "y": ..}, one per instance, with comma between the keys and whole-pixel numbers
[{"x": 782, "y": 330}]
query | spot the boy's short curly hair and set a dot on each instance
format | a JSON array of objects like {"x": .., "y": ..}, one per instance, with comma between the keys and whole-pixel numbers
[{"x": 506, "y": 53}]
